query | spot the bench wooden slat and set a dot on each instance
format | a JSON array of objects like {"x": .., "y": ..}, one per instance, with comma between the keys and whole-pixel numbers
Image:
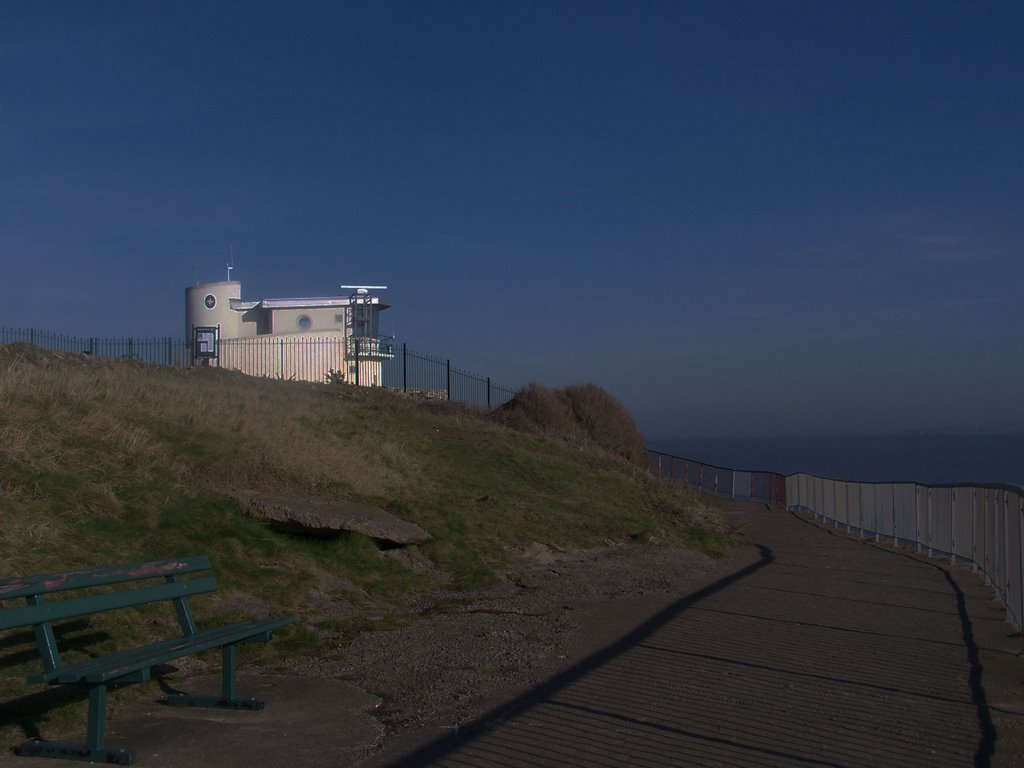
[
  {"x": 110, "y": 668},
  {"x": 45, "y": 583},
  {"x": 27, "y": 615},
  {"x": 42, "y": 609},
  {"x": 186, "y": 647}
]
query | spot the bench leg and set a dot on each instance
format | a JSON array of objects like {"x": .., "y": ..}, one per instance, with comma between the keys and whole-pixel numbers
[
  {"x": 93, "y": 751},
  {"x": 228, "y": 669},
  {"x": 229, "y": 689},
  {"x": 97, "y": 717}
]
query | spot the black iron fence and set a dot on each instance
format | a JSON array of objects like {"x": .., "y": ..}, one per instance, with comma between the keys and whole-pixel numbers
[
  {"x": 431, "y": 376},
  {"x": 370, "y": 362},
  {"x": 161, "y": 350}
]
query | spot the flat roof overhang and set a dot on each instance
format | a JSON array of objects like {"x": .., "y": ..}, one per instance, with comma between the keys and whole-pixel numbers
[{"x": 322, "y": 302}]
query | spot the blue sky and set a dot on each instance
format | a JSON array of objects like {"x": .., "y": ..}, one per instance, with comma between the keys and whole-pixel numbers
[{"x": 741, "y": 218}]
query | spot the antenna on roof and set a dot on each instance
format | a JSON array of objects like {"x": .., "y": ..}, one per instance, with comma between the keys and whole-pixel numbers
[
  {"x": 361, "y": 293},
  {"x": 231, "y": 264},
  {"x": 361, "y": 314}
]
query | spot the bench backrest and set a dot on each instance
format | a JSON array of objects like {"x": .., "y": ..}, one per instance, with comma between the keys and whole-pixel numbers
[{"x": 39, "y": 613}]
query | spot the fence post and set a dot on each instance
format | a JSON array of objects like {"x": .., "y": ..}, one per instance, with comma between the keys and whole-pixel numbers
[
  {"x": 931, "y": 521},
  {"x": 846, "y": 490},
  {"x": 448, "y": 370},
  {"x": 1020, "y": 558},
  {"x": 895, "y": 536},
  {"x": 916, "y": 514},
  {"x": 357, "y": 361},
  {"x": 987, "y": 522},
  {"x": 974, "y": 530},
  {"x": 489, "y": 397},
  {"x": 952, "y": 527},
  {"x": 405, "y": 368},
  {"x": 1006, "y": 545}
]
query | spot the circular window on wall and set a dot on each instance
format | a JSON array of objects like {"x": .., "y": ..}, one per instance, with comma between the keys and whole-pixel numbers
[
  {"x": 210, "y": 301},
  {"x": 304, "y": 322}
]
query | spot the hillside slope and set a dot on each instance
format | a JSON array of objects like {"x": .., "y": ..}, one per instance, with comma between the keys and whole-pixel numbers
[{"x": 115, "y": 461}]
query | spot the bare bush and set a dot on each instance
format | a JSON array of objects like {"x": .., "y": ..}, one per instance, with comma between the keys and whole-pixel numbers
[
  {"x": 583, "y": 412},
  {"x": 537, "y": 409},
  {"x": 606, "y": 422}
]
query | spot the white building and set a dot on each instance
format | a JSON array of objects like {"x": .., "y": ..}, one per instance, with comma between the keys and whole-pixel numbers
[{"x": 304, "y": 338}]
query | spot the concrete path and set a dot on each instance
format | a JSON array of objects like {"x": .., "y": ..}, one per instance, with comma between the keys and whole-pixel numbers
[
  {"x": 819, "y": 650},
  {"x": 816, "y": 650}
]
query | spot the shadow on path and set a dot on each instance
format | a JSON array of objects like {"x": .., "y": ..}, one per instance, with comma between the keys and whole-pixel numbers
[
  {"x": 469, "y": 732},
  {"x": 822, "y": 652},
  {"x": 986, "y": 727}
]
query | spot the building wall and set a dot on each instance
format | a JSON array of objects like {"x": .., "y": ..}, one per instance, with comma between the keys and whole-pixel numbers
[
  {"x": 255, "y": 322},
  {"x": 300, "y": 357},
  {"x": 326, "y": 319},
  {"x": 198, "y": 311},
  {"x": 209, "y": 304},
  {"x": 273, "y": 342}
]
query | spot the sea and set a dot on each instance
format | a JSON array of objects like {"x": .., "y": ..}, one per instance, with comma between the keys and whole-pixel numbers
[{"x": 930, "y": 459}]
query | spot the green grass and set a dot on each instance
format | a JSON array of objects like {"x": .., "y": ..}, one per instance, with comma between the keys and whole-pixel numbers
[{"x": 113, "y": 461}]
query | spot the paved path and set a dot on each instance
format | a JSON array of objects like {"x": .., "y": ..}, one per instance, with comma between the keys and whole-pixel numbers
[
  {"x": 819, "y": 650},
  {"x": 816, "y": 650}
]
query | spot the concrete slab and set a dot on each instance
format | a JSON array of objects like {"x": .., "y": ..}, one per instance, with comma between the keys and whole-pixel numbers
[{"x": 306, "y": 722}]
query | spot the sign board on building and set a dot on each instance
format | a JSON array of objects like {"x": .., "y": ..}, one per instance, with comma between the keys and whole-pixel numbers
[{"x": 205, "y": 340}]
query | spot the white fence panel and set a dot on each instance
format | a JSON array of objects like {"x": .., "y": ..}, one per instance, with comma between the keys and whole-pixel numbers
[
  {"x": 904, "y": 501},
  {"x": 854, "y": 508},
  {"x": 963, "y": 522},
  {"x": 983, "y": 526},
  {"x": 940, "y": 506}
]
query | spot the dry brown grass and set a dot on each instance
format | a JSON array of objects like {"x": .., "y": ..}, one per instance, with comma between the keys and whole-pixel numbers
[
  {"x": 582, "y": 412},
  {"x": 61, "y": 409},
  {"x": 115, "y": 461},
  {"x": 124, "y": 440}
]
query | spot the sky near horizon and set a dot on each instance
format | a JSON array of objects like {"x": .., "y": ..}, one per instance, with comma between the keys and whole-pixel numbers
[{"x": 741, "y": 218}]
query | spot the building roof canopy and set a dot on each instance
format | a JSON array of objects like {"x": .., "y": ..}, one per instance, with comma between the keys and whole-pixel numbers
[{"x": 306, "y": 303}]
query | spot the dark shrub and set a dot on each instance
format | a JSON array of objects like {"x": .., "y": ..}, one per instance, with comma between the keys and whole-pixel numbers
[
  {"x": 606, "y": 422},
  {"x": 583, "y": 412},
  {"x": 535, "y": 408}
]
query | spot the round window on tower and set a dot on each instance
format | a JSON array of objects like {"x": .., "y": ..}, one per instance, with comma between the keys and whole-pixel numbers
[
  {"x": 210, "y": 301},
  {"x": 304, "y": 322}
]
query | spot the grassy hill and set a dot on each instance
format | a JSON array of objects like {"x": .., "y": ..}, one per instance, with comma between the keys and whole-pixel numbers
[{"x": 103, "y": 462}]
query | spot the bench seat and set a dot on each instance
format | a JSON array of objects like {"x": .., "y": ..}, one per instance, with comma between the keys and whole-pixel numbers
[
  {"x": 50, "y": 598},
  {"x": 114, "y": 667}
]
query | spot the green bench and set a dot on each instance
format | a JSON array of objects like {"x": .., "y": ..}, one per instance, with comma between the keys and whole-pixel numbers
[{"x": 141, "y": 583}]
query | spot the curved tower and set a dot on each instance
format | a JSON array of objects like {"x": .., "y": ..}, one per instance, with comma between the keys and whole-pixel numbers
[{"x": 210, "y": 304}]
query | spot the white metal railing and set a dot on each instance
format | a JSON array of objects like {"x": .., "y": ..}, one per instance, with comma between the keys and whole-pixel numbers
[
  {"x": 726, "y": 482},
  {"x": 979, "y": 525},
  {"x": 303, "y": 358}
]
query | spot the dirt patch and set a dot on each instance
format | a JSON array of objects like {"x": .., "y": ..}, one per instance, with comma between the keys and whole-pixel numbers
[{"x": 445, "y": 670}]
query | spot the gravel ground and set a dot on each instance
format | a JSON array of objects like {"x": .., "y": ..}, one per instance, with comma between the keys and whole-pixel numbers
[
  {"x": 827, "y": 650},
  {"x": 443, "y": 671},
  {"x": 811, "y": 648}
]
